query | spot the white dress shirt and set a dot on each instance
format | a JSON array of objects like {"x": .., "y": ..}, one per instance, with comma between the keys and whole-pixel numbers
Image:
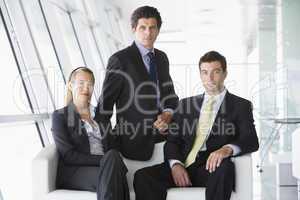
[{"x": 94, "y": 135}]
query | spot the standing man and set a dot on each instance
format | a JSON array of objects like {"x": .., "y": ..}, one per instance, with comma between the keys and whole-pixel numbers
[
  {"x": 138, "y": 83},
  {"x": 208, "y": 130}
]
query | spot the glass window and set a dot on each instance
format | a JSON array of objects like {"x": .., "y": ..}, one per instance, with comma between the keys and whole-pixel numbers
[
  {"x": 102, "y": 42},
  {"x": 86, "y": 38},
  {"x": 69, "y": 35},
  {"x": 87, "y": 26},
  {"x": 94, "y": 52},
  {"x": 102, "y": 15},
  {"x": 14, "y": 101},
  {"x": 45, "y": 50},
  {"x": 114, "y": 24},
  {"x": 29, "y": 59},
  {"x": 98, "y": 20}
]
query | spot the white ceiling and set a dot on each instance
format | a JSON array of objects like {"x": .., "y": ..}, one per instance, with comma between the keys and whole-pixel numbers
[{"x": 196, "y": 26}]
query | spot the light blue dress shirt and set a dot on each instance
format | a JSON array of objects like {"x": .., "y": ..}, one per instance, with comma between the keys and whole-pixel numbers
[{"x": 144, "y": 51}]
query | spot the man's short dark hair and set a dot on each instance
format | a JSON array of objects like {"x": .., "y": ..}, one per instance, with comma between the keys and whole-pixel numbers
[
  {"x": 145, "y": 12},
  {"x": 212, "y": 56}
]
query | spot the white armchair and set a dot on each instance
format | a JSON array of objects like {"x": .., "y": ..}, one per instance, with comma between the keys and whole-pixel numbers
[
  {"x": 295, "y": 153},
  {"x": 44, "y": 168}
]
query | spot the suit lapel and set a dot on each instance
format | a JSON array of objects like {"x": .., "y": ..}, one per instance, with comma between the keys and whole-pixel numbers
[
  {"x": 196, "y": 105},
  {"x": 138, "y": 63},
  {"x": 221, "y": 119},
  {"x": 76, "y": 127},
  {"x": 224, "y": 108},
  {"x": 74, "y": 123},
  {"x": 196, "y": 108}
]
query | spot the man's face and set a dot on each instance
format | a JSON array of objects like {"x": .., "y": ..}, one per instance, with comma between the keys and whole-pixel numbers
[
  {"x": 212, "y": 77},
  {"x": 146, "y": 32}
]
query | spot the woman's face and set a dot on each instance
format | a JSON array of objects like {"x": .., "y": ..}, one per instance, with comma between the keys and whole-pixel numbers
[{"x": 82, "y": 87}]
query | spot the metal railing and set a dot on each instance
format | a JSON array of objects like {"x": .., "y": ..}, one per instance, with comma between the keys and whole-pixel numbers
[
  {"x": 24, "y": 118},
  {"x": 273, "y": 136}
]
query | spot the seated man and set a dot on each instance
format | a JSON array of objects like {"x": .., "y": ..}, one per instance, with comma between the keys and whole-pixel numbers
[{"x": 208, "y": 129}]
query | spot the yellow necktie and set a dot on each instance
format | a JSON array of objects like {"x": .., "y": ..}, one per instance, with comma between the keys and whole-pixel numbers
[{"x": 204, "y": 124}]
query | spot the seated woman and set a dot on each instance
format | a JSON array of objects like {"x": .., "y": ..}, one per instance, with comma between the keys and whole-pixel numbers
[{"x": 86, "y": 161}]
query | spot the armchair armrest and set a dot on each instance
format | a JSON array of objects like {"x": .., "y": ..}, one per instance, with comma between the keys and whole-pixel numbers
[
  {"x": 243, "y": 177},
  {"x": 44, "y": 168},
  {"x": 243, "y": 169}
]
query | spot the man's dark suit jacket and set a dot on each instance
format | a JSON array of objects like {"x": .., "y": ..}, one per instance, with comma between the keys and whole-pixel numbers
[
  {"x": 234, "y": 124},
  {"x": 72, "y": 143},
  {"x": 126, "y": 85}
]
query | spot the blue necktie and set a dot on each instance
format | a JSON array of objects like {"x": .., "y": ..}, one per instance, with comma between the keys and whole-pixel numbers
[
  {"x": 153, "y": 74},
  {"x": 152, "y": 70}
]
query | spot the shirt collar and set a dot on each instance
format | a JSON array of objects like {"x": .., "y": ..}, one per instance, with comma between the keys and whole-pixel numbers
[
  {"x": 144, "y": 51},
  {"x": 92, "y": 111},
  {"x": 216, "y": 97}
]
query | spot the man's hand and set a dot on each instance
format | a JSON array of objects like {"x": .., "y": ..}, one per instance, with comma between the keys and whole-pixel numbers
[
  {"x": 162, "y": 122},
  {"x": 180, "y": 176},
  {"x": 215, "y": 158}
]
